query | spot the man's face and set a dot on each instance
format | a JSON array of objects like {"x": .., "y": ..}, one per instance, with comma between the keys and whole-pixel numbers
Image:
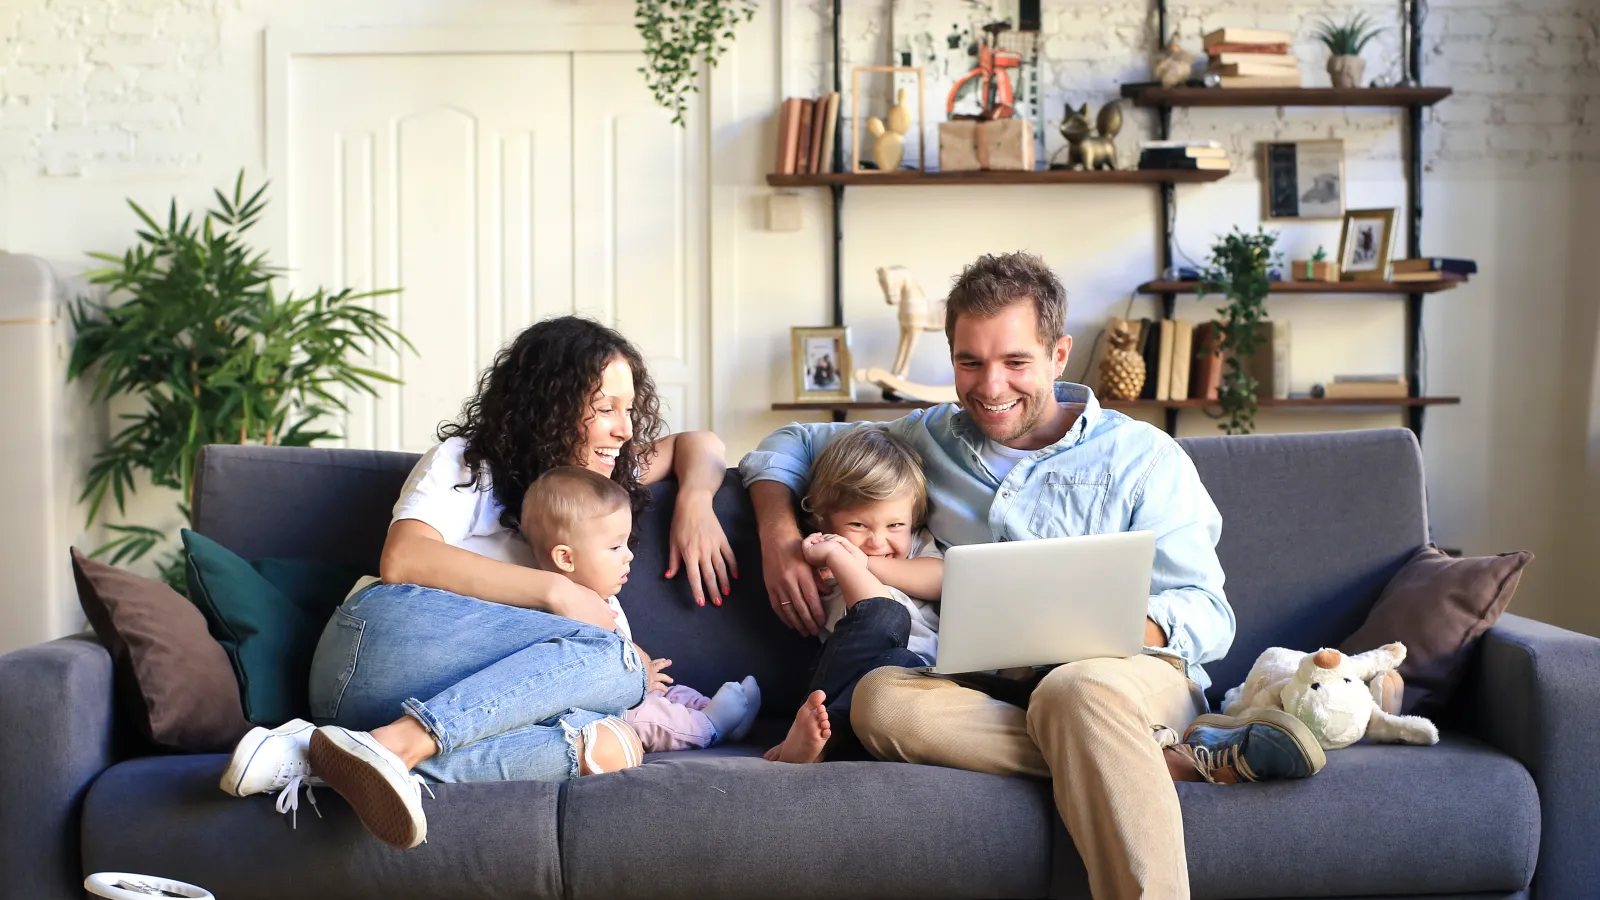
[{"x": 1005, "y": 378}]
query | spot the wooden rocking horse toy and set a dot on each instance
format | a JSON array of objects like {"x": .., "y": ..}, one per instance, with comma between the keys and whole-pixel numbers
[{"x": 916, "y": 316}]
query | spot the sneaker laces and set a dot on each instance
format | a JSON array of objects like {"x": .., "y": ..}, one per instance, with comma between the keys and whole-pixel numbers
[
  {"x": 1207, "y": 762},
  {"x": 289, "y": 798}
]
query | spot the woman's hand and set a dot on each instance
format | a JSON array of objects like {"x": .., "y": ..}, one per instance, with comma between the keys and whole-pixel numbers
[
  {"x": 791, "y": 585},
  {"x": 575, "y": 601},
  {"x": 699, "y": 544}
]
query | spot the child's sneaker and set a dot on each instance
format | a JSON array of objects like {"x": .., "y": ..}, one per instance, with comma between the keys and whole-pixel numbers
[
  {"x": 1256, "y": 745},
  {"x": 268, "y": 760}
]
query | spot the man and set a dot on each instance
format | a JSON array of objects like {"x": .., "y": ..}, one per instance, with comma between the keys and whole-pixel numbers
[{"x": 1023, "y": 457}]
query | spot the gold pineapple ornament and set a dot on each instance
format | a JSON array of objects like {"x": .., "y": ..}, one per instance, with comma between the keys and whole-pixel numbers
[{"x": 1122, "y": 368}]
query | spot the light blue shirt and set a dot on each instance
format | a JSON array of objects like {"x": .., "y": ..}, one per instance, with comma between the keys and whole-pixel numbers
[{"x": 1108, "y": 474}]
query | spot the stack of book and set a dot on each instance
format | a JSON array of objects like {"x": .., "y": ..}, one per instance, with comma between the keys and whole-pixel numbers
[
  {"x": 1183, "y": 155},
  {"x": 1366, "y": 387},
  {"x": 806, "y": 132},
  {"x": 1251, "y": 58},
  {"x": 1435, "y": 268}
]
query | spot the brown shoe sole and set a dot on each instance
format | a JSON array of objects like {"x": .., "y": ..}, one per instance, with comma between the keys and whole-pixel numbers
[
  {"x": 372, "y": 797},
  {"x": 1265, "y": 715}
]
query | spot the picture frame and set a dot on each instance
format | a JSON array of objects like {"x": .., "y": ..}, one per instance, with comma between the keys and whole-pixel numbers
[
  {"x": 855, "y": 115},
  {"x": 823, "y": 368},
  {"x": 1364, "y": 244},
  {"x": 1302, "y": 179}
]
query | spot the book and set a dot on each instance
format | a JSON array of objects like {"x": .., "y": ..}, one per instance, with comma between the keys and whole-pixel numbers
[
  {"x": 1221, "y": 47},
  {"x": 1281, "y": 337},
  {"x": 1437, "y": 264},
  {"x": 819, "y": 119},
  {"x": 1269, "y": 59},
  {"x": 1181, "y": 145},
  {"x": 1182, "y": 360},
  {"x": 788, "y": 135},
  {"x": 1183, "y": 152},
  {"x": 1205, "y": 374},
  {"x": 1259, "y": 365},
  {"x": 1385, "y": 378},
  {"x": 1415, "y": 277},
  {"x": 830, "y": 126},
  {"x": 1150, "y": 349},
  {"x": 1210, "y": 163},
  {"x": 1365, "y": 390},
  {"x": 802, "y": 162},
  {"x": 1260, "y": 69},
  {"x": 1167, "y": 330},
  {"x": 1246, "y": 36},
  {"x": 1259, "y": 81}
]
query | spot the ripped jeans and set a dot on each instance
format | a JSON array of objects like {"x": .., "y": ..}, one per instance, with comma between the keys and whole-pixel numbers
[{"x": 504, "y": 690}]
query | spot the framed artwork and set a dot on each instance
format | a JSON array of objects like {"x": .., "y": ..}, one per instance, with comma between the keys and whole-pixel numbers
[
  {"x": 1303, "y": 179},
  {"x": 822, "y": 365},
  {"x": 1364, "y": 244}
]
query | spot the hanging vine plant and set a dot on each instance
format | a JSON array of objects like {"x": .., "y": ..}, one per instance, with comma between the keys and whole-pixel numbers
[
  {"x": 678, "y": 34},
  {"x": 1239, "y": 271}
]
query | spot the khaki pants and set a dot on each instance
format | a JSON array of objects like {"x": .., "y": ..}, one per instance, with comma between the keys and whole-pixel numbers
[{"x": 1097, "y": 727}]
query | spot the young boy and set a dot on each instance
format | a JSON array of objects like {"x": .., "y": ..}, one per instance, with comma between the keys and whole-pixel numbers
[
  {"x": 577, "y": 523},
  {"x": 869, "y": 498}
]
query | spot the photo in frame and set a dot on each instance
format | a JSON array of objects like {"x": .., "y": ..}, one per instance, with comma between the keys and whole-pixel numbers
[
  {"x": 1303, "y": 179},
  {"x": 822, "y": 364},
  {"x": 1364, "y": 244}
]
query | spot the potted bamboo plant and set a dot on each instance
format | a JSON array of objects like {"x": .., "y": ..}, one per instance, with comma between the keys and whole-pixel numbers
[{"x": 1345, "y": 43}]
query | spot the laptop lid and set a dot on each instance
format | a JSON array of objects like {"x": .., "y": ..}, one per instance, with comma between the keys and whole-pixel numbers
[{"x": 1053, "y": 600}]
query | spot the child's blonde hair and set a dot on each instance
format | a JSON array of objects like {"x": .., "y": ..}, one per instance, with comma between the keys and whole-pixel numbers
[
  {"x": 866, "y": 466},
  {"x": 563, "y": 497}
]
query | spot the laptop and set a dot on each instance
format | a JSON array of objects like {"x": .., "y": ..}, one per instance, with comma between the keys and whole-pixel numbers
[{"x": 1043, "y": 602}]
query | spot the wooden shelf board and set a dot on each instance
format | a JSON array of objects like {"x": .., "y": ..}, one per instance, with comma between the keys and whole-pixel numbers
[
  {"x": 1266, "y": 402},
  {"x": 905, "y": 178},
  {"x": 1316, "y": 287},
  {"x": 1304, "y": 96}
]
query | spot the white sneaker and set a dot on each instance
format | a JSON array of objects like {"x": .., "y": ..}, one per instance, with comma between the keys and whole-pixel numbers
[
  {"x": 270, "y": 760},
  {"x": 377, "y": 785}
]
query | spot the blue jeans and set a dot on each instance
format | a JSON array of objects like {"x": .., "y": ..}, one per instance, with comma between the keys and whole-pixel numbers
[{"x": 504, "y": 690}]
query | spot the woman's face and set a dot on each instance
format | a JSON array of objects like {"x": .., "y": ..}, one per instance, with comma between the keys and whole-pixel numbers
[{"x": 610, "y": 421}]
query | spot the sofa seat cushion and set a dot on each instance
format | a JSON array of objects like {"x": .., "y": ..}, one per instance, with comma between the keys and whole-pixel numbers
[
  {"x": 1457, "y": 817},
  {"x": 719, "y": 824},
  {"x": 166, "y": 816}
]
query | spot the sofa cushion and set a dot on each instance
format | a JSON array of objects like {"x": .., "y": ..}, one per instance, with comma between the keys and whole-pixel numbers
[
  {"x": 1438, "y": 606},
  {"x": 173, "y": 680},
  {"x": 165, "y": 816},
  {"x": 268, "y": 615},
  {"x": 698, "y": 825},
  {"x": 1379, "y": 819}
]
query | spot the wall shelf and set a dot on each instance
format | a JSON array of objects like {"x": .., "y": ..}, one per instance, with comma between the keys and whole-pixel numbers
[
  {"x": 1349, "y": 404},
  {"x": 1315, "y": 287},
  {"x": 914, "y": 178},
  {"x": 1201, "y": 96}
]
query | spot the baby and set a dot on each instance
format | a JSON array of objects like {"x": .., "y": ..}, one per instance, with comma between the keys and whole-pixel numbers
[
  {"x": 870, "y": 500},
  {"x": 577, "y": 523}
]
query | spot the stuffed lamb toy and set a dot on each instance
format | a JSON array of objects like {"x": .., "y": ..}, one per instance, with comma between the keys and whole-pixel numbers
[{"x": 1340, "y": 698}]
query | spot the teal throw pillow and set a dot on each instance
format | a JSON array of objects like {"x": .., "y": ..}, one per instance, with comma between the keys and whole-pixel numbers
[{"x": 268, "y": 615}]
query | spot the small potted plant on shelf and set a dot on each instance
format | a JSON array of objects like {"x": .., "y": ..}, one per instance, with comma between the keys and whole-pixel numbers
[
  {"x": 1238, "y": 270},
  {"x": 1345, "y": 42}
]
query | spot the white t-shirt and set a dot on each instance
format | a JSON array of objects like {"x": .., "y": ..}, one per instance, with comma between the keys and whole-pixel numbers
[
  {"x": 1002, "y": 459},
  {"x": 924, "y": 614},
  {"x": 467, "y": 517}
]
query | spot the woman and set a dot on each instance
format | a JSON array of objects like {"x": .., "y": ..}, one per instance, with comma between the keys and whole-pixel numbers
[{"x": 498, "y": 671}]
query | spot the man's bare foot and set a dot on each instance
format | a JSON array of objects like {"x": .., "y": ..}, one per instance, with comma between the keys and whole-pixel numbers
[{"x": 807, "y": 736}]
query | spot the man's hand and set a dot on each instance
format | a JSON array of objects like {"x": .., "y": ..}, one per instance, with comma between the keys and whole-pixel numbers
[
  {"x": 791, "y": 584},
  {"x": 655, "y": 678},
  {"x": 578, "y": 602},
  {"x": 1153, "y": 635}
]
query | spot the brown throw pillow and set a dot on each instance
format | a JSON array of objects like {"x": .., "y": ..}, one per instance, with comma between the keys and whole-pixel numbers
[
  {"x": 173, "y": 679},
  {"x": 1438, "y": 606}
]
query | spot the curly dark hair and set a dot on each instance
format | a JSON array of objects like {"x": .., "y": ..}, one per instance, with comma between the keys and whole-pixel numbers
[{"x": 527, "y": 416}]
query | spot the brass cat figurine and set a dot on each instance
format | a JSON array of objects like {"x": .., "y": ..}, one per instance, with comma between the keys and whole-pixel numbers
[{"x": 1085, "y": 151}]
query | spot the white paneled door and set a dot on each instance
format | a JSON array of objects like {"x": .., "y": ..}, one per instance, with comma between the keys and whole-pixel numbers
[{"x": 495, "y": 189}]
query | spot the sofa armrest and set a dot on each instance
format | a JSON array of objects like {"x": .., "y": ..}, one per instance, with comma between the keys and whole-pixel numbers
[
  {"x": 56, "y": 737},
  {"x": 1532, "y": 693}
]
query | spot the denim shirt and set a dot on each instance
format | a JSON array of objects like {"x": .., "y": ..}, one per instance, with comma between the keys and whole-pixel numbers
[{"x": 1108, "y": 474}]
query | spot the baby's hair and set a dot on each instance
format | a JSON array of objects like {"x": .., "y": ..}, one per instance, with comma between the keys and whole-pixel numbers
[
  {"x": 563, "y": 497},
  {"x": 867, "y": 465}
]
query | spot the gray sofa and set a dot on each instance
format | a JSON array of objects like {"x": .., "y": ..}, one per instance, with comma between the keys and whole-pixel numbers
[{"x": 1505, "y": 806}]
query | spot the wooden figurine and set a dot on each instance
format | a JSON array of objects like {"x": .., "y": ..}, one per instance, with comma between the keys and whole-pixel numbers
[
  {"x": 889, "y": 141},
  {"x": 916, "y": 315}
]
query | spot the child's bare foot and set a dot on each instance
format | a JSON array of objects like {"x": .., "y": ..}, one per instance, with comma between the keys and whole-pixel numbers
[{"x": 807, "y": 736}]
